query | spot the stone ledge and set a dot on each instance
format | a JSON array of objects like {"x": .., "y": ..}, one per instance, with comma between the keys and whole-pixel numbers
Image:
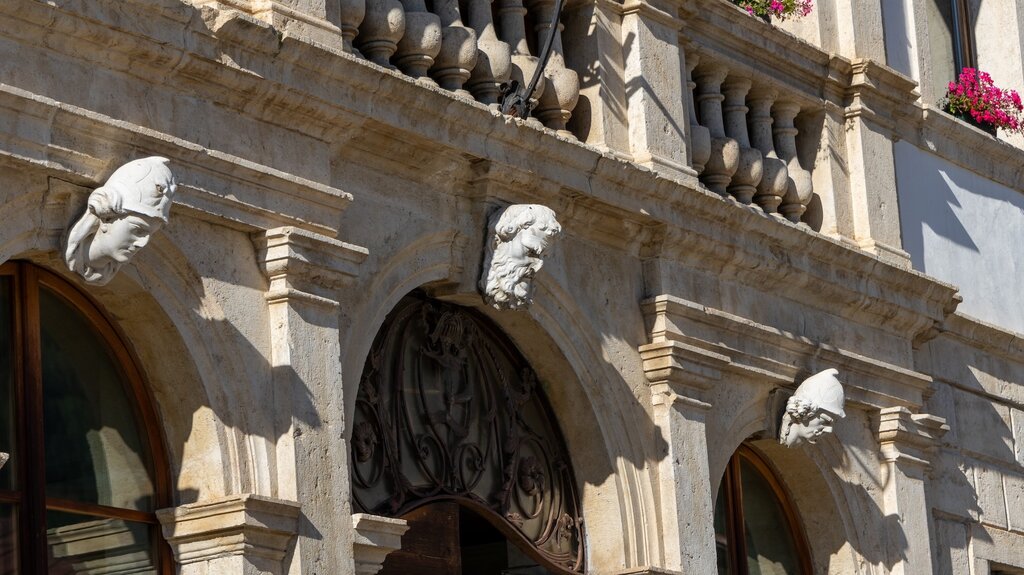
[
  {"x": 250, "y": 525},
  {"x": 337, "y": 96},
  {"x": 699, "y": 357}
]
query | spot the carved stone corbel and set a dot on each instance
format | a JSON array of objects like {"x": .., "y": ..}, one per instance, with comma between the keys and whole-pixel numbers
[
  {"x": 234, "y": 534},
  {"x": 518, "y": 237},
  {"x": 375, "y": 538}
]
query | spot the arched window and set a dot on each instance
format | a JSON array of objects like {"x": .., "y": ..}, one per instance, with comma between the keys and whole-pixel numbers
[
  {"x": 452, "y": 433},
  {"x": 757, "y": 530},
  {"x": 86, "y": 469}
]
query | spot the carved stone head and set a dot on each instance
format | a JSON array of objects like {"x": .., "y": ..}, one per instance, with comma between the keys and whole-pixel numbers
[
  {"x": 520, "y": 234},
  {"x": 812, "y": 410},
  {"x": 120, "y": 218}
]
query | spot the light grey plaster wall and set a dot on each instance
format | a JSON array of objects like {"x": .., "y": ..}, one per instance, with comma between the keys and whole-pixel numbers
[{"x": 965, "y": 230}]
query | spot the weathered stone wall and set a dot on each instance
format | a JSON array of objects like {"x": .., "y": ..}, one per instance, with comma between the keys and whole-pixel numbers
[{"x": 317, "y": 189}]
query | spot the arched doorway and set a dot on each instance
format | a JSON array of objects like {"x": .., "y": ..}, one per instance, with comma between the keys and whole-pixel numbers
[
  {"x": 87, "y": 468},
  {"x": 452, "y": 432}
]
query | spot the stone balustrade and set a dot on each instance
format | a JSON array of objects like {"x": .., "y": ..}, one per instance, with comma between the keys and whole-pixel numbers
[
  {"x": 753, "y": 153},
  {"x": 692, "y": 89}
]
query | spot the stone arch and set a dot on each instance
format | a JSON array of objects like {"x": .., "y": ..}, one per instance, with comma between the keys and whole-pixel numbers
[
  {"x": 156, "y": 302},
  {"x": 829, "y": 501},
  {"x": 612, "y": 473}
]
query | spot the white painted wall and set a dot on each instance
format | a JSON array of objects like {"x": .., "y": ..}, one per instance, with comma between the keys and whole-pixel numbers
[{"x": 966, "y": 230}]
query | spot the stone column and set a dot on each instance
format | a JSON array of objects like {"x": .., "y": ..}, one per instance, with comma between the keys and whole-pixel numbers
[
  {"x": 775, "y": 177},
  {"x": 700, "y": 137},
  {"x": 801, "y": 188},
  {"x": 235, "y": 535},
  {"x": 907, "y": 442},
  {"x": 751, "y": 166},
  {"x": 658, "y": 123},
  {"x": 725, "y": 152},
  {"x": 332, "y": 24},
  {"x": 306, "y": 271}
]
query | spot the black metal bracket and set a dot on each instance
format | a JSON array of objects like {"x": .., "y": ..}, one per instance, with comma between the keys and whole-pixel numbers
[{"x": 519, "y": 104}]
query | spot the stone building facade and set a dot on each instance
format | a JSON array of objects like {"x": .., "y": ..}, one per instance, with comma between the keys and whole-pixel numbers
[{"x": 739, "y": 205}]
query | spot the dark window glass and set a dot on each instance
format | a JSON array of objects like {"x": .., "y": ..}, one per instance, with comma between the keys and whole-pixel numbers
[
  {"x": 94, "y": 452},
  {"x": 80, "y": 544},
  {"x": 84, "y": 462},
  {"x": 753, "y": 531}
]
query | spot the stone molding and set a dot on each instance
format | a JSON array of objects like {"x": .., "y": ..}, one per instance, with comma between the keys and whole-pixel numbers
[
  {"x": 375, "y": 538},
  {"x": 698, "y": 345},
  {"x": 327, "y": 93},
  {"x": 909, "y": 438},
  {"x": 646, "y": 570},
  {"x": 248, "y": 525},
  {"x": 302, "y": 264}
]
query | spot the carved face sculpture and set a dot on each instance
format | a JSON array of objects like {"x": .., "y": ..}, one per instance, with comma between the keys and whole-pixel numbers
[
  {"x": 522, "y": 233},
  {"x": 812, "y": 410},
  {"x": 364, "y": 441},
  {"x": 120, "y": 218}
]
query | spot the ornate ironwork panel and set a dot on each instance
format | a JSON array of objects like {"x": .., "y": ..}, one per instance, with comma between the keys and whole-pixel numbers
[{"x": 448, "y": 409}]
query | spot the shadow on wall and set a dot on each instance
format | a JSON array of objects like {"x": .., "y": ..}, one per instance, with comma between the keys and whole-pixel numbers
[
  {"x": 838, "y": 487},
  {"x": 963, "y": 229}
]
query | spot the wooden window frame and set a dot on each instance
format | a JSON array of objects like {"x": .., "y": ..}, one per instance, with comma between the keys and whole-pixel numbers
[
  {"x": 736, "y": 549},
  {"x": 30, "y": 497}
]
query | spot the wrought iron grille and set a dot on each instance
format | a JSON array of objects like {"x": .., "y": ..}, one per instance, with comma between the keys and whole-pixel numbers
[{"x": 448, "y": 410}]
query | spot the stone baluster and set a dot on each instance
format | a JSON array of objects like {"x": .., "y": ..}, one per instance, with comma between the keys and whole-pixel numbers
[
  {"x": 512, "y": 29},
  {"x": 493, "y": 57},
  {"x": 700, "y": 137},
  {"x": 352, "y": 14},
  {"x": 775, "y": 176},
  {"x": 800, "y": 191},
  {"x": 725, "y": 152},
  {"x": 748, "y": 173},
  {"x": 458, "y": 48},
  {"x": 421, "y": 42},
  {"x": 382, "y": 27},
  {"x": 563, "y": 85}
]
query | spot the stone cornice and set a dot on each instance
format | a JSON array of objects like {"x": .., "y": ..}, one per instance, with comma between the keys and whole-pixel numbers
[
  {"x": 695, "y": 346},
  {"x": 987, "y": 337},
  {"x": 249, "y": 525},
  {"x": 214, "y": 186},
  {"x": 314, "y": 90}
]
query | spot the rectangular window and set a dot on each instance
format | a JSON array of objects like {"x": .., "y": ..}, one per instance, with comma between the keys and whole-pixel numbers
[{"x": 950, "y": 46}]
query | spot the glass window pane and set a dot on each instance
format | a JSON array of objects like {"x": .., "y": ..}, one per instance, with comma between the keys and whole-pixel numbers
[
  {"x": 7, "y": 437},
  {"x": 83, "y": 545},
  {"x": 770, "y": 547},
  {"x": 8, "y": 539},
  {"x": 94, "y": 449},
  {"x": 721, "y": 534},
  {"x": 940, "y": 39}
]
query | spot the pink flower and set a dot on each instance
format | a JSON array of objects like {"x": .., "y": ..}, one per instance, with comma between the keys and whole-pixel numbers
[{"x": 975, "y": 95}]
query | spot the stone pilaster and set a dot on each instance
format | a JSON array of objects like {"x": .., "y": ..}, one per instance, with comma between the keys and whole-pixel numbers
[
  {"x": 679, "y": 375},
  {"x": 305, "y": 271},
  {"x": 907, "y": 441},
  {"x": 871, "y": 165},
  {"x": 654, "y": 64},
  {"x": 235, "y": 535}
]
